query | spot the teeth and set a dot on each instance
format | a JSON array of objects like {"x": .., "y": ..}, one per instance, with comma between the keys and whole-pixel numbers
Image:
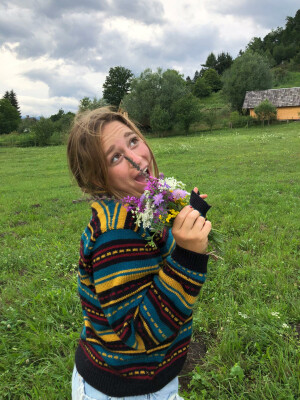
[{"x": 143, "y": 171}]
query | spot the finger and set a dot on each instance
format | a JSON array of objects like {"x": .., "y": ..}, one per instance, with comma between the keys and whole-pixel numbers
[
  {"x": 178, "y": 222},
  {"x": 190, "y": 220},
  {"x": 203, "y": 196},
  {"x": 199, "y": 223},
  {"x": 206, "y": 228}
]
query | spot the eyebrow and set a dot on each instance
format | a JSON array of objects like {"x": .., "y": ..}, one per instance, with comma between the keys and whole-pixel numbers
[{"x": 112, "y": 147}]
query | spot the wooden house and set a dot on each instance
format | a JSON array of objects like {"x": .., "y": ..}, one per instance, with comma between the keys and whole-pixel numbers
[{"x": 287, "y": 102}]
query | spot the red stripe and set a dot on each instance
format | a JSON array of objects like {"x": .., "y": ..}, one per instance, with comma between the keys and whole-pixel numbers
[
  {"x": 117, "y": 246},
  {"x": 120, "y": 256}
]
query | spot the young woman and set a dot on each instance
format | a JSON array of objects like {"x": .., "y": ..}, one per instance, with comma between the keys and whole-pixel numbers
[{"x": 136, "y": 300}]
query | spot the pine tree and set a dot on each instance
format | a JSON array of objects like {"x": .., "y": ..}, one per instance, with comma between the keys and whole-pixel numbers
[
  {"x": 14, "y": 101},
  {"x": 12, "y": 98},
  {"x": 6, "y": 95},
  {"x": 211, "y": 61}
]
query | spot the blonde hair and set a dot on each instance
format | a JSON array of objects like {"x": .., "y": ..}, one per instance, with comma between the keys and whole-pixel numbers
[{"x": 86, "y": 157}]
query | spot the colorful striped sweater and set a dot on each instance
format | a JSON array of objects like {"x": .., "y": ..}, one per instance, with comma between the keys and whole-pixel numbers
[{"x": 136, "y": 302}]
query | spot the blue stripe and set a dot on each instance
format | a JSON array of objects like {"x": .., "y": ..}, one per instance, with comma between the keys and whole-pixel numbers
[{"x": 161, "y": 325}]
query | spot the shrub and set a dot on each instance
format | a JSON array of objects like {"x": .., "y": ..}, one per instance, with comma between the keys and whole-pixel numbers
[
  {"x": 17, "y": 140},
  {"x": 265, "y": 111},
  {"x": 43, "y": 130},
  {"x": 160, "y": 120},
  {"x": 201, "y": 88},
  {"x": 236, "y": 120}
]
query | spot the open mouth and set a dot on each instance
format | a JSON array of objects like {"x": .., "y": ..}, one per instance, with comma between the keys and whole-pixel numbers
[{"x": 143, "y": 176}]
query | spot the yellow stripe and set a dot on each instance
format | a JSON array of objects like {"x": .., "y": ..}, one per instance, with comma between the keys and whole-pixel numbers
[
  {"x": 120, "y": 280},
  {"x": 113, "y": 337},
  {"x": 138, "y": 271},
  {"x": 125, "y": 297},
  {"x": 82, "y": 276},
  {"x": 177, "y": 286},
  {"x": 140, "y": 342},
  {"x": 85, "y": 282},
  {"x": 170, "y": 249},
  {"x": 104, "y": 223},
  {"x": 104, "y": 335},
  {"x": 182, "y": 299},
  {"x": 196, "y": 283},
  {"x": 109, "y": 338},
  {"x": 92, "y": 231},
  {"x": 94, "y": 341},
  {"x": 122, "y": 218}
]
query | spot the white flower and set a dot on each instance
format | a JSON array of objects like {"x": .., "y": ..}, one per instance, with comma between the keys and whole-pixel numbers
[
  {"x": 285, "y": 326},
  {"x": 173, "y": 183},
  {"x": 243, "y": 315},
  {"x": 147, "y": 215},
  {"x": 275, "y": 314}
]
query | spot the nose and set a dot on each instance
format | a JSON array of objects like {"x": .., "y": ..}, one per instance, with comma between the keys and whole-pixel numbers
[{"x": 133, "y": 158}]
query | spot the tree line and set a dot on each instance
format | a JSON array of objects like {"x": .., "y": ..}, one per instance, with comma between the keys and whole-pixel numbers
[{"x": 162, "y": 101}]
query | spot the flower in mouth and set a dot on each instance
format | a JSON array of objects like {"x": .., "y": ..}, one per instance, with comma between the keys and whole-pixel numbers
[{"x": 142, "y": 172}]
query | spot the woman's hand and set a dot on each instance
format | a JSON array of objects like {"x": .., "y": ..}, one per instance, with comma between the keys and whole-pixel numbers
[{"x": 190, "y": 230}]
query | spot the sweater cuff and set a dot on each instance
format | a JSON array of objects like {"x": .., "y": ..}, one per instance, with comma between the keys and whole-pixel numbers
[
  {"x": 199, "y": 204},
  {"x": 190, "y": 259}
]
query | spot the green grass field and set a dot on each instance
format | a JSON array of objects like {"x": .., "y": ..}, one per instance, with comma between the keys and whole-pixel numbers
[{"x": 248, "y": 313}]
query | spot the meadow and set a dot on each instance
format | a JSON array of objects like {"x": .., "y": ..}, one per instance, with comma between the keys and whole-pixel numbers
[{"x": 247, "y": 316}]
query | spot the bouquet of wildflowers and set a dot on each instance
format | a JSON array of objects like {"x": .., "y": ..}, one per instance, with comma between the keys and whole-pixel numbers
[{"x": 159, "y": 205}]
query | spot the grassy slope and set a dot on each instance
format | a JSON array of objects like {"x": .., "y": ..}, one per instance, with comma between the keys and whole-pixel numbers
[
  {"x": 252, "y": 178},
  {"x": 292, "y": 79},
  {"x": 216, "y": 100}
]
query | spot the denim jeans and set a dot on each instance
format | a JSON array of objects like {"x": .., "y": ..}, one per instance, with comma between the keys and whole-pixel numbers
[{"x": 81, "y": 390}]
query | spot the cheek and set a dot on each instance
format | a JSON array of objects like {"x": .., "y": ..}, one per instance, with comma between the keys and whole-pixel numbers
[
  {"x": 116, "y": 174},
  {"x": 145, "y": 151}
]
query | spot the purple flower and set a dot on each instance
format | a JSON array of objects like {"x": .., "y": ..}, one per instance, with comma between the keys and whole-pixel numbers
[
  {"x": 158, "y": 198},
  {"x": 179, "y": 194}
]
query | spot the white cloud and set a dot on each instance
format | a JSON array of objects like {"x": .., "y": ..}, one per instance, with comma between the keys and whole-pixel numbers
[{"x": 54, "y": 51}]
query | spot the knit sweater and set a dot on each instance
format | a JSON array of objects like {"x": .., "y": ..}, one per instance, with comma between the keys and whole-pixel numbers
[{"x": 136, "y": 303}]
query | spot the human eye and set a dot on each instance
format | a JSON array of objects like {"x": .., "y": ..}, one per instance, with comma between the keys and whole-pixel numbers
[
  {"x": 133, "y": 141},
  {"x": 115, "y": 158}
]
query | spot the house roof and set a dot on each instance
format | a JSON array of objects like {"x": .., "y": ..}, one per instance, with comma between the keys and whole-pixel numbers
[{"x": 278, "y": 97}]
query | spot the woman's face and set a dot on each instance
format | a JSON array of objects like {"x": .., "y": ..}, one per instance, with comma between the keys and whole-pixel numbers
[{"x": 118, "y": 140}]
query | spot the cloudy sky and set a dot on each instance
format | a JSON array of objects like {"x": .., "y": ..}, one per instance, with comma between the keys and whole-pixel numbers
[{"x": 55, "y": 52}]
